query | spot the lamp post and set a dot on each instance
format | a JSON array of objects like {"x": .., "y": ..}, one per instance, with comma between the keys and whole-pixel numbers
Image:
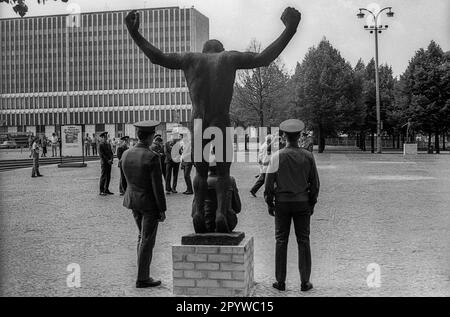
[{"x": 376, "y": 29}]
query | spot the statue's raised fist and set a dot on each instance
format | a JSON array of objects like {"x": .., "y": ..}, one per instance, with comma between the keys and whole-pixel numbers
[
  {"x": 132, "y": 21},
  {"x": 291, "y": 18}
]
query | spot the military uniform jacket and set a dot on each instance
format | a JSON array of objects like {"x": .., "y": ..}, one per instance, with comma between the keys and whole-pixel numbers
[
  {"x": 142, "y": 170},
  {"x": 105, "y": 152},
  {"x": 120, "y": 150}
]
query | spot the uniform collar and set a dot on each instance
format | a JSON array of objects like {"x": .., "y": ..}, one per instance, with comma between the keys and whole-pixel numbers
[{"x": 141, "y": 144}]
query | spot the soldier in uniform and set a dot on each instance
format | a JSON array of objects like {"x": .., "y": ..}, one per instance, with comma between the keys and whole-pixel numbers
[
  {"x": 120, "y": 150},
  {"x": 145, "y": 197},
  {"x": 106, "y": 159},
  {"x": 292, "y": 199}
]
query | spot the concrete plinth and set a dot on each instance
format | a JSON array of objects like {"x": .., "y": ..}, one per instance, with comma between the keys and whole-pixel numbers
[
  {"x": 410, "y": 149},
  {"x": 213, "y": 270}
]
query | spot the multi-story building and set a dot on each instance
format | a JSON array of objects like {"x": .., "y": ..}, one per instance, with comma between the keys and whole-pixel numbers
[{"x": 86, "y": 70}]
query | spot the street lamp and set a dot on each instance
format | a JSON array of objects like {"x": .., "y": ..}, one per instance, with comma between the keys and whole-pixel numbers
[{"x": 377, "y": 28}]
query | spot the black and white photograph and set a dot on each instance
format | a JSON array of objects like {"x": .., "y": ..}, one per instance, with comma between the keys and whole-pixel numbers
[{"x": 247, "y": 150}]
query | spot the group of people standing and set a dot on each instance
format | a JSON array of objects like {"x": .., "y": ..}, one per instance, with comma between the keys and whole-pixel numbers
[
  {"x": 38, "y": 145},
  {"x": 106, "y": 154},
  {"x": 169, "y": 160},
  {"x": 90, "y": 143}
]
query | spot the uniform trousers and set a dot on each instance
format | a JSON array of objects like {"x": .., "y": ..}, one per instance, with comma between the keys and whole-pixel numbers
[
  {"x": 147, "y": 223},
  {"x": 300, "y": 214}
]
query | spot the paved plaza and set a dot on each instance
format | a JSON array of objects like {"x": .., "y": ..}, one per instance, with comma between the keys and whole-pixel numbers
[{"x": 383, "y": 209}]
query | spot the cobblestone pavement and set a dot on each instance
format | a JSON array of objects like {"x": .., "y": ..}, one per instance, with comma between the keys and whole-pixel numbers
[{"x": 382, "y": 209}]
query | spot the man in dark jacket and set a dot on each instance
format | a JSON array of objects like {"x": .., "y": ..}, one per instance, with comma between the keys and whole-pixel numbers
[
  {"x": 145, "y": 197},
  {"x": 120, "y": 150},
  {"x": 292, "y": 188},
  {"x": 172, "y": 166},
  {"x": 158, "y": 147},
  {"x": 106, "y": 160}
]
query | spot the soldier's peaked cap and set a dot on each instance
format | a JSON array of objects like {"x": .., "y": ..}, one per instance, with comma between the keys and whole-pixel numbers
[
  {"x": 103, "y": 134},
  {"x": 147, "y": 125},
  {"x": 124, "y": 138},
  {"x": 292, "y": 126}
]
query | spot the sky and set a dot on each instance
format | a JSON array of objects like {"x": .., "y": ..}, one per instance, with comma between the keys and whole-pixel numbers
[{"x": 237, "y": 22}]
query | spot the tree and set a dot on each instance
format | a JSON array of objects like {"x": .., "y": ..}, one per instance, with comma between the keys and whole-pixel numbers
[
  {"x": 20, "y": 7},
  {"x": 259, "y": 94},
  {"x": 327, "y": 92},
  {"x": 424, "y": 92}
]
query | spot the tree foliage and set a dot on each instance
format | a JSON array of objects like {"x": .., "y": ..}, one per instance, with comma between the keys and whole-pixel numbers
[
  {"x": 423, "y": 91},
  {"x": 20, "y": 7},
  {"x": 327, "y": 93},
  {"x": 260, "y": 95}
]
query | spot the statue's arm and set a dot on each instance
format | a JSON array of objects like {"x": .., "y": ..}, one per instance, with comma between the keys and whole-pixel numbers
[
  {"x": 156, "y": 56},
  {"x": 246, "y": 60}
]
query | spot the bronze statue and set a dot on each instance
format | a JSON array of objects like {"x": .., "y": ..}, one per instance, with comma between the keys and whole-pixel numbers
[
  {"x": 210, "y": 77},
  {"x": 410, "y": 133}
]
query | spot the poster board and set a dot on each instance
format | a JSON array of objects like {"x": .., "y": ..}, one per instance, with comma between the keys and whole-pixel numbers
[{"x": 71, "y": 140}]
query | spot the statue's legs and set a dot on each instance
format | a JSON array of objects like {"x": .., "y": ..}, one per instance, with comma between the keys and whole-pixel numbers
[
  {"x": 223, "y": 197},
  {"x": 200, "y": 190}
]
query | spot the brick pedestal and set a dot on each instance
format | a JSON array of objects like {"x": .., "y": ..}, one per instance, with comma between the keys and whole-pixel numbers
[
  {"x": 410, "y": 149},
  {"x": 213, "y": 270}
]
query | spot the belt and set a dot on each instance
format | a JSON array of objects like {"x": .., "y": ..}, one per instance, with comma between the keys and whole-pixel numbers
[{"x": 137, "y": 189}]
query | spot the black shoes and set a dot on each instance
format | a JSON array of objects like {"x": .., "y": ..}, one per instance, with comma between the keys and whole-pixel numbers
[
  {"x": 174, "y": 191},
  {"x": 149, "y": 283},
  {"x": 188, "y": 193},
  {"x": 306, "y": 287},
  {"x": 103, "y": 194},
  {"x": 109, "y": 193},
  {"x": 281, "y": 286}
]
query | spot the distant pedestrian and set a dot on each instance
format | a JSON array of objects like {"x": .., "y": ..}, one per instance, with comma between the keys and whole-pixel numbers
[
  {"x": 120, "y": 150},
  {"x": 307, "y": 142},
  {"x": 158, "y": 147},
  {"x": 30, "y": 144},
  {"x": 54, "y": 142},
  {"x": 35, "y": 147},
  {"x": 172, "y": 166},
  {"x": 186, "y": 164},
  {"x": 263, "y": 161},
  {"x": 44, "y": 146},
  {"x": 106, "y": 161},
  {"x": 94, "y": 144},
  {"x": 292, "y": 188},
  {"x": 113, "y": 144},
  {"x": 87, "y": 145}
]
